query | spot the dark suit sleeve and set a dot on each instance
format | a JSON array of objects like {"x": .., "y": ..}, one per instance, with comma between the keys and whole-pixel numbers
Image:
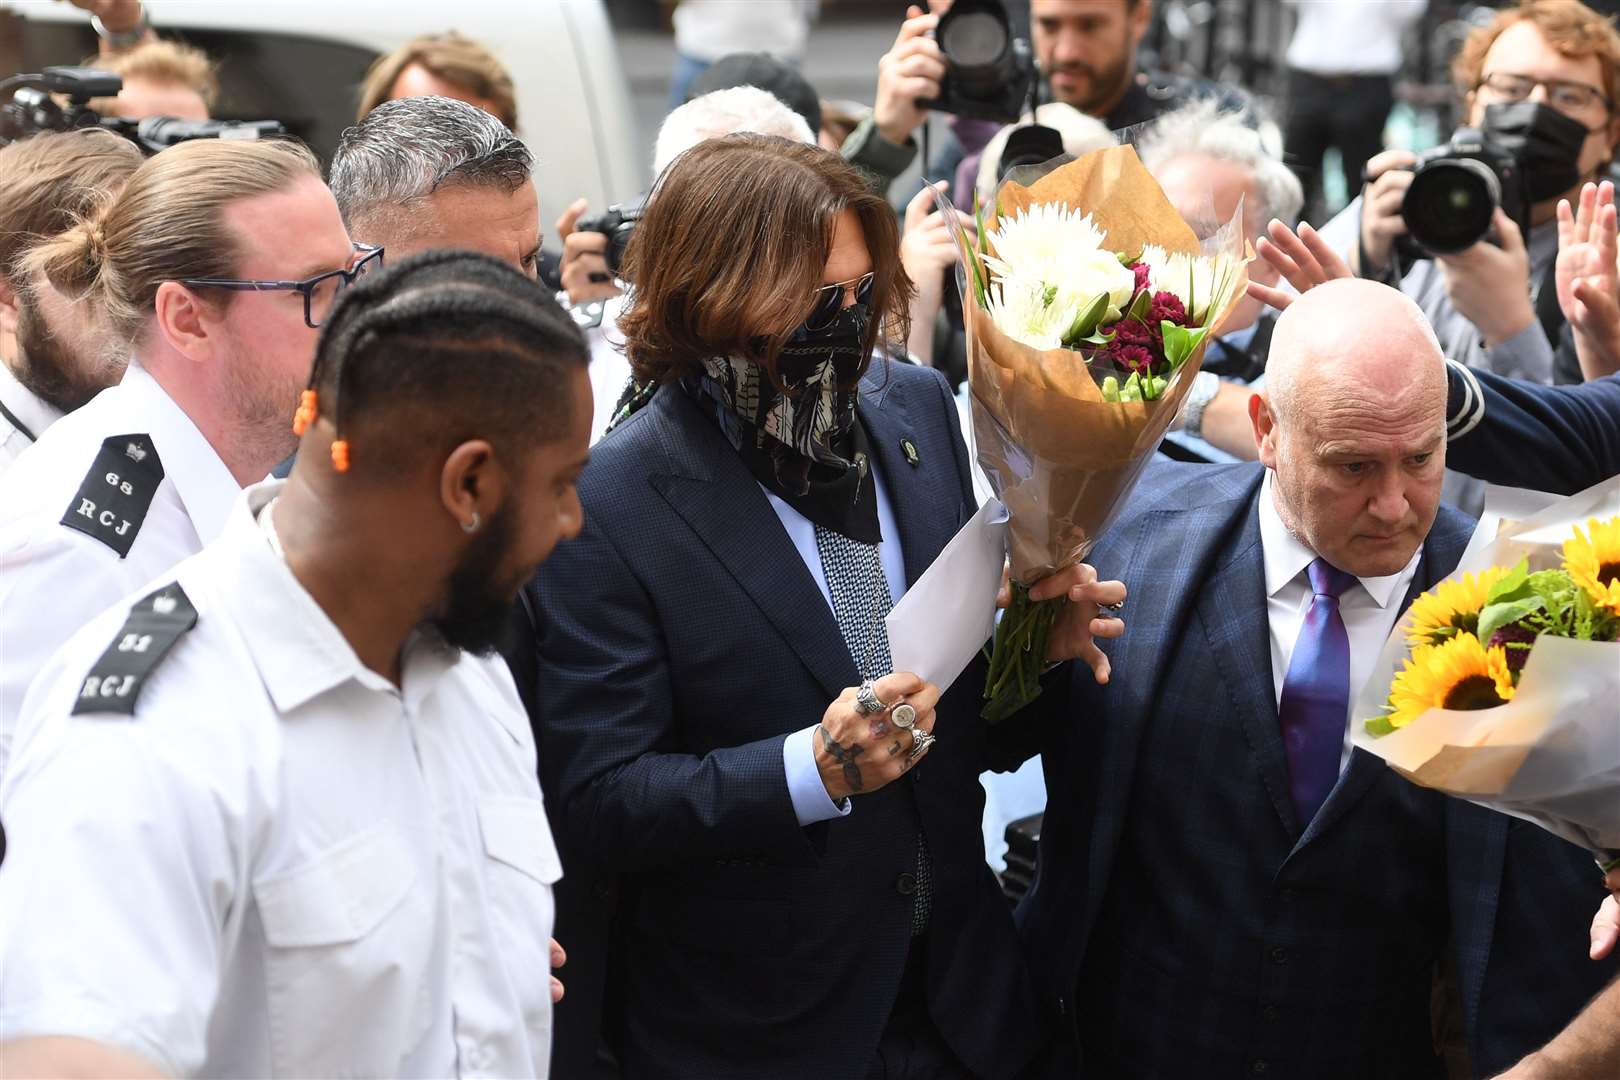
[
  {"x": 631, "y": 796},
  {"x": 1561, "y": 439}
]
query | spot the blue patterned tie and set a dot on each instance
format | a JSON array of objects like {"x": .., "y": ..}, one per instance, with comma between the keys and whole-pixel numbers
[{"x": 1316, "y": 694}]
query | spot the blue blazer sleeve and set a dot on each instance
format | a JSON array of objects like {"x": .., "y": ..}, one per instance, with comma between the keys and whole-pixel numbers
[
  {"x": 629, "y": 797},
  {"x": 1561, "y": 439}
]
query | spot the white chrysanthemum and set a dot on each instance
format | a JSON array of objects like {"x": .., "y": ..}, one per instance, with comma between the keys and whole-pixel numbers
[
  {"x": 1032, "y": 312},
  {"x": 1195, "y": 280},
  {"x": 1046, "y": 241}
]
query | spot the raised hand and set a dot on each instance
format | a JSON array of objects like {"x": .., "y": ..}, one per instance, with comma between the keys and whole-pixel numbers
[
  {"x": 1588, "y": 278},
  {"x": 1303, "y": 259}
]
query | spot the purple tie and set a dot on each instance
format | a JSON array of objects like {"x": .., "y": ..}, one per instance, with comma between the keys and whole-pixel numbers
[{"x": 1316, "y": 694}]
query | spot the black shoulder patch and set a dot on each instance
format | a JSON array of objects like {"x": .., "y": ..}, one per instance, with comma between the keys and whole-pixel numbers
[
  {"x": 153, "y": 626},
  {"x": 117, "y": 491}
]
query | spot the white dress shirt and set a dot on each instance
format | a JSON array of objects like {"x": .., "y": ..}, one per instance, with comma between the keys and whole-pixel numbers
[
  {"x": 54, "y": 579},
  {"x": 810, "y": 799},
  {"x": 1369, "y": 608},
  {"x": 281, "y": 864},
  {"x": 1351, "y": 37},
  {"x": 29, "y": 416},
  {"x": 609, "y": 369}
]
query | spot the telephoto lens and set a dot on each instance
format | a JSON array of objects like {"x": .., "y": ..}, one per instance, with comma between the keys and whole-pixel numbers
[{"x": 1450, "y": 204}]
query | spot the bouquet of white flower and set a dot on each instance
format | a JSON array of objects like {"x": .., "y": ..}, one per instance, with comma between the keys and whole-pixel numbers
[{"x": 1088, "y": 302}]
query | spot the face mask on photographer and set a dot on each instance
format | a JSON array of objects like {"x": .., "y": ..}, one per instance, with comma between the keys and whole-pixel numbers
[{"x": 1546, "y": 144}]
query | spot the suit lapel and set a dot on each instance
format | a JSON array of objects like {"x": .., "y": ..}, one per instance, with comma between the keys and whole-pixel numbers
[
  {"x": 920, "y": 494},
  {"x": 706, "y": 483},
  {"x": 1235, "y": 614}
]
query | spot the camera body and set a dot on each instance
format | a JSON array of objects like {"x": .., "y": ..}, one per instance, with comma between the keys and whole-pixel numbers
[
  {"x": 32, "y": 109},
  {"x": 989, "y": 73},
  {"x": 1455, "y": 190},
  {"x": 617, "y": 223}
]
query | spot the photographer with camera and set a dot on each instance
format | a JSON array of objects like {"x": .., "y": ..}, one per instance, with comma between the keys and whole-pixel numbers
[
  {"x": 213, "y": 268},
  {"x": 52, "y": 360},
  {"x": 1470, "y": 233}
]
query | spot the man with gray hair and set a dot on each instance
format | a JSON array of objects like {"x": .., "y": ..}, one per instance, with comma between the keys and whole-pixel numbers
[
  {"x": 433, "y": 172},
  {"x": 1209, "y": 162},
  {"x": 1225, "y": 886}
]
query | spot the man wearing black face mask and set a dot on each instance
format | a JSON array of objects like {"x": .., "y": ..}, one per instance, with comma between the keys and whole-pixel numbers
[{"x": 1540, "y": 80}]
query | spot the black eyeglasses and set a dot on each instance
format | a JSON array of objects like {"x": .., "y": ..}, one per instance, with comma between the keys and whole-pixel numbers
[
  {"x": 830, "y": 300},
  {"x": 319, "y": 292},
  {"x": 1566, "y": 97}
]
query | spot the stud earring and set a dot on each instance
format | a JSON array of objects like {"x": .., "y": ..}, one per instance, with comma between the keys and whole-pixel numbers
[{"x": 470, "y": 526}]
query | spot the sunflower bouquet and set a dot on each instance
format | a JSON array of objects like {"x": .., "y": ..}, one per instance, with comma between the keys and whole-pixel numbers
[
  {"x": 1087, "y": 302},
  {"x": 1502, "y": 684}
]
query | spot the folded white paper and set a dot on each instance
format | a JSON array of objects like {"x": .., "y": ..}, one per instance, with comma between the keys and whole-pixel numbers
[{"x": 950, "y": 612}]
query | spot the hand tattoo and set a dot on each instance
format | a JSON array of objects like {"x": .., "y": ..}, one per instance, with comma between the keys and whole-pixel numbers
[
  {"x": 845, "y": 756},
  {"x": 879, "y": 727},
  {"x": 894, "y": 749}
]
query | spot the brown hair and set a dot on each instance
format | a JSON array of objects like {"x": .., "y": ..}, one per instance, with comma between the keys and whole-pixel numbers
[
  {"x": 732, "y": 246},
  {"x": 49, "y": 181},
  {"x": 458, "y": 60},
  {"x": 167, "y": 224},
  {"x": 1569, "y": 26},
  {"x": 161, "y": 61}
]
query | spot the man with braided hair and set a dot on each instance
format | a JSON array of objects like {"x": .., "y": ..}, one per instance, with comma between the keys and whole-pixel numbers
[{"x": 279, "y": 814}]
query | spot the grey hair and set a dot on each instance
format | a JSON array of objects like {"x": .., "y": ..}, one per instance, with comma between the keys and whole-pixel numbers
[
  {"x": 404, "y": 150},
  {"x": 1204, "y": 129},
  {"x": 726, "y": 112}
]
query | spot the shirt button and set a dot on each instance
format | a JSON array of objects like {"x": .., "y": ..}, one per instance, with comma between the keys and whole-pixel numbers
[
  {"x": 1259, "y": 1065},
  {"x": 1270, "y": 1012},
  {"x": 1279, "y": 955},
  {"x": 905, "y": 884}
]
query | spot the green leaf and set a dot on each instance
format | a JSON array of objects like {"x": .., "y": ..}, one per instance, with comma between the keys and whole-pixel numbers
[
  {"x": 1378, "y": 726},
  {"x": 1496, "y": 616},
  {"x": 1140, "y": 307},
  {"x": 1516, "y": 586},
  {"x": 1085, "y": 323},
  {"x": 1180, "y": 342}
]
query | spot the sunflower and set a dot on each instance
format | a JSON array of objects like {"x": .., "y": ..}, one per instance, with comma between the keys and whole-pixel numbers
[
  {"x": 1452, "y": 607},
  {"x": 1593, "y": 562},
  {"x": 1459, "y": 674}
]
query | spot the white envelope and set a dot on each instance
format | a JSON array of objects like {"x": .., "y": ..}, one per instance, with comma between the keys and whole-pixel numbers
[{"x": 950, "y": 612}]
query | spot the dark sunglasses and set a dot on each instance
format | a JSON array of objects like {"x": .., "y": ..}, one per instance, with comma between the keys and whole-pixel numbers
[
  {"x": 319, "y": 292},
  {"x": 830, "y": 300}
]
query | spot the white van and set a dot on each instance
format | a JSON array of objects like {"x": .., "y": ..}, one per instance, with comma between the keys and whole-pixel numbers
[{"x": 301, "y": 62}]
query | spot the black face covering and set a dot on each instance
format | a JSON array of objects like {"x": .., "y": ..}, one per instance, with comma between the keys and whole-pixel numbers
[{"x": 1546, "y": 144}]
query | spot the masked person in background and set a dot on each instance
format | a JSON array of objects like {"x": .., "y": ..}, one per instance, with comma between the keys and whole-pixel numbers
[{"x": 795, "y": 824}]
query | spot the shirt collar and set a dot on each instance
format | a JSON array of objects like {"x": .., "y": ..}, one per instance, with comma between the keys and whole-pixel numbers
[
  {"x": 1287, "y": 557},
  {"x": 299, "y": 651},
  {"x": 35, "y": 412},
  {"x": 206, "y": 487}
]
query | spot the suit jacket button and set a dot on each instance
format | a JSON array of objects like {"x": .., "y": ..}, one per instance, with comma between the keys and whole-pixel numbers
[
  {"x": 1270, "y": 1012},
  {"x": 905, "y": 884},
  {"x": 1259, "y": 1066},
  {"x": 1279, "y": 955}
]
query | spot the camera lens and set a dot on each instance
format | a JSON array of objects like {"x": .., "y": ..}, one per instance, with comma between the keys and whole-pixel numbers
[
  {"x": 1449, "y": 205},
  {"x": 974, "y": 39}
]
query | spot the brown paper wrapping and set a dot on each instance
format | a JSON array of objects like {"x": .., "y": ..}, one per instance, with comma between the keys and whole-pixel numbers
[{"x": 1062, "y": 458}]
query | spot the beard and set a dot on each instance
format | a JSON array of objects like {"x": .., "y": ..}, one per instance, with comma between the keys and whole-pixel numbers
[
  {"x": 262, "y": 400},
  {"x": 52, "y": 370},
  {"x": 478, "y": 616},
  {"x": 1103, "y": 84}
]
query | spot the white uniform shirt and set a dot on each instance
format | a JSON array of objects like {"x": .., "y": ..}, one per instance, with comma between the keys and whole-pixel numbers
[
  {"x": 280, "y": 865},
  {"x": 1351, "y": 37},
  {"x": 53, "y": 578},
  {"x": 29, "y": 416},
  {"x": 1369, "y": 608}
]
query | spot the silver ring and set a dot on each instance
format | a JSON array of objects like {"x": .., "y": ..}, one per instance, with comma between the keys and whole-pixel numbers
[
  {"x": 866, "y": 700},
  {"x": 920, "y": 742},
  {"x": 1116, "y": 606},
  {"x": 904, "y": 716}
]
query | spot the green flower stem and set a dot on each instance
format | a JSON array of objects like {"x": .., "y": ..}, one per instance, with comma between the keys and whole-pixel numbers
[{"x": 1018, "y": 654}]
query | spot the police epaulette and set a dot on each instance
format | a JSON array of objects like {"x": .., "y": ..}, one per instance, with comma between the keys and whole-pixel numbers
[
  {"x": 117, "y": 491},
  {"x": 155, "y": 623}
]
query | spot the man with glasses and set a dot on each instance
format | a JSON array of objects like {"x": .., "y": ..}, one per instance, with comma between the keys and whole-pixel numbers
[
  {"x": 212, "y": 268},
  {"x": 1494, "y": 305}
]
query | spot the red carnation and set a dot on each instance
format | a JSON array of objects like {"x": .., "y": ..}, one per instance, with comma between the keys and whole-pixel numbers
[
  {"x": 1143, "y": 275},
  {"x": 1167, "y": 307},
  {"x": 1135, "y": 358},
  {"x": 1132, "y": 332}
]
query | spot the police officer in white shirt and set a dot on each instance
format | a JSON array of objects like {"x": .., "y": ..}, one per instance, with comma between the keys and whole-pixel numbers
[
  {"x": 52, "y": 360},
  {"x": 214, "y": 265},
  {"x": 280, "y": 815}
]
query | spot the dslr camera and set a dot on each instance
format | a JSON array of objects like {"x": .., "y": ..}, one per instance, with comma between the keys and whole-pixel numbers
[
  {"x": 989, "y": 73},
  {"x": 617, "y": 222},
  {"x": 28, "y": 107},
  {"x": 1455, "y": 190}
]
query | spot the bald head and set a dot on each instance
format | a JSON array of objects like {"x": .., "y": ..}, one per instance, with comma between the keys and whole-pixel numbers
[{"x": 1352, "y": 424}]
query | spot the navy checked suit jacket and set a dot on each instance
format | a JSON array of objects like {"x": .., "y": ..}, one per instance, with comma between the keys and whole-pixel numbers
[
  {"x": 1188, "y": 548},
  {"x": 681, "y": 639}
]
